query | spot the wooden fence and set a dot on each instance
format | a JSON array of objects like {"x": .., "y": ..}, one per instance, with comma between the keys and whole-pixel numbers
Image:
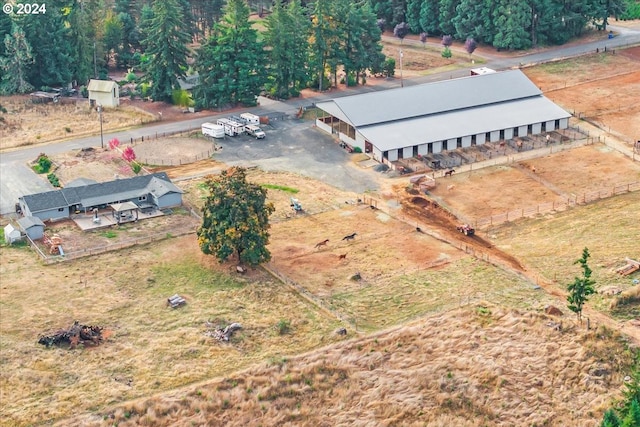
[{"x": 556, "y": 206}]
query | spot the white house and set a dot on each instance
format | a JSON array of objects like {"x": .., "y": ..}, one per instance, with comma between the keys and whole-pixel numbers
[
  {"x": 104, "y": 92},
  {"x": 11, "y": 234}
]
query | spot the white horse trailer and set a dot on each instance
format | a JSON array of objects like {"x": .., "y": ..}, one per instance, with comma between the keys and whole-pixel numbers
[
  {"x": 231, "y": 127},
  {"x": 213, "y": 130},
  {"x": 251, "y": 119}
]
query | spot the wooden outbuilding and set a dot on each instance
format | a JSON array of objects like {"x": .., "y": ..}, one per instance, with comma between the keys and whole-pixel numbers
[{"x": 104, "y": 92}]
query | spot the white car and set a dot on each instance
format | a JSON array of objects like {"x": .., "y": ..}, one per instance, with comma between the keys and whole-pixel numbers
[{"x": 254, "y": 130}]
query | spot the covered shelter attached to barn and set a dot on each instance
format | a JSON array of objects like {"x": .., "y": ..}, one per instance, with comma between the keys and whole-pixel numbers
[
  {"x": 435, "y": 117},
  {"x": 104, "y": 92}
]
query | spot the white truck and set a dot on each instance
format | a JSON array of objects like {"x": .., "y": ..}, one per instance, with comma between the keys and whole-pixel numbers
[
  {"x": 250, "y": 119},
  {"x": 213, "y": 130},
  {"x": 231, "y": 127},
  {"x": 255, "y": 131}
]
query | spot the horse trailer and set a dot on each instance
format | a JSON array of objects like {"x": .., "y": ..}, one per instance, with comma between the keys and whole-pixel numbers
[
  {"x": 213, "y": 130},
  {"x": 231, "y": 127},
  {"x": 251, "y": 119}
]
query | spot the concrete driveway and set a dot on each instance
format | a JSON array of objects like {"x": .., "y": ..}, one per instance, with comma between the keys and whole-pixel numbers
[
  {"x": 297, "y": 146},
  {"x": 16, "y": 180}
]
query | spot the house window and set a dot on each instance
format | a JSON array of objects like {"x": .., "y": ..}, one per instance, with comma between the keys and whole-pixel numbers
[
  {"x": 142, "y": 198},
  {"x": 60, "y": 209}
]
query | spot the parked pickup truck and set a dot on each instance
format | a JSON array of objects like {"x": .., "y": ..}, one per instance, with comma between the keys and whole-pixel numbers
[{"x": 254, "y": 130}]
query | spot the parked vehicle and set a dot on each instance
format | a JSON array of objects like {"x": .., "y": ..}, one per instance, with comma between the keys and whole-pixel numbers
[
  {"x": 231, "y": 127},
  {"x": 466, "y": 229},
  {"x": 251, "y": 119},
  {"x": 213, "y": 130},
  {"x": 255, "y": 131}
]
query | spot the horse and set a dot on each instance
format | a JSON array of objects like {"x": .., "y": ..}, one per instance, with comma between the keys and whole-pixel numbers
[
  {"x": 323, "y": 243},
  {"x": 449, "y": 172},
  {"x": 342, "y": 256},
  {"x": 350, "y": 236},
  {"x": 519, "y": 145}
]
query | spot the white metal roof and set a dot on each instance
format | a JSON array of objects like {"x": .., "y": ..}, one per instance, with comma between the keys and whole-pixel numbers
[
  {"x": 431, "y": 98},
  {"x": 454, "y": 124},
  {"x": 101, "y": 85}
]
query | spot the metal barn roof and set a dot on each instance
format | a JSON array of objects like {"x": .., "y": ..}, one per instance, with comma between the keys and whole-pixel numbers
[
  {"x": 101, "y": 85},
  {"x": 431, "y": 98},
  {"x": 453, "y": 124}
]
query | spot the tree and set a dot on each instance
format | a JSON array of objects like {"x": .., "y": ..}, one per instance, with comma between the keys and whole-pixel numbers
[
  {"x": 423, "y": 38},
  {"x": 230, "y": 63},
  {"x": 511, "y": 22},
  {"x": 447, "y": 40},
  {"x": 470, "y": 45},
  {"x": 610, "y": 419},
  {"x": 413, "y": 15},
  {"x": 632, "y": 419},
  {"x": 321, "y": 41},
  {"x": 401, "y": 30},
  {"x": 581, "y": 287},
  {"x": 113, "y": 36},
  {"x": 235, "y": 219},
  {"x": 166, "y": 45},
  {"x": 288, "y": 49},
  {"x": 16, "y": 63},
  {"x": 430, "y": 17}
]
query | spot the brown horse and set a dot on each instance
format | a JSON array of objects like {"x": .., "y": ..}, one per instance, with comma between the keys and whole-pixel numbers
[
  {"x": 342, "y": 256},
  {"x": 449, "y": 172},
  {"x": 323, "y": 243}
]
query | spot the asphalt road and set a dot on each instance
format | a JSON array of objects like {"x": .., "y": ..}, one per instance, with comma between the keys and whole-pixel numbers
[{"x": 16, "y": 179}]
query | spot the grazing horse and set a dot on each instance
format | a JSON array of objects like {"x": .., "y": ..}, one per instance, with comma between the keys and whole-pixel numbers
[
  {"x": 323, "y": 243},
  {"x": 342, "y": 256},
  {"x": 519, "y": 145},
  {"x": 350, "y": 236},
  {"x": 449, "y": 172}
]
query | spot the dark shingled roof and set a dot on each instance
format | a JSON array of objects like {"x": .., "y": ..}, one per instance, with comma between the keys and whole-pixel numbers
[{"x": 101, "y": 193}]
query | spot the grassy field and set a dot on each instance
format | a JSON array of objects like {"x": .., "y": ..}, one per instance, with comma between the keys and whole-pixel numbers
[
  {"x": 153, "y": 348},
  {"x": 549, "y": 245}
]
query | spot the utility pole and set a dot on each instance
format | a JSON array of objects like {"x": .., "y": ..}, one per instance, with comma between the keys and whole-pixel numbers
[
  {"x": 401, "y": 80},
  {"x": 101, "y": 136}
]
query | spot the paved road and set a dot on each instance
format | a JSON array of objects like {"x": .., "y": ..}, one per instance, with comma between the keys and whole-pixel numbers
[{"x": 17, "y": 180}]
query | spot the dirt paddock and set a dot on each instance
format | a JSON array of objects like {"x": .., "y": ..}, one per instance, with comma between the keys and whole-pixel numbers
[{"x": 557, "y": 176}]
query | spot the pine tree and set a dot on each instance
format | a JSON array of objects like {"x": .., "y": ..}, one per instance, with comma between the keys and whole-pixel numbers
[
  {"x": 511, "y": 22},
  {"x": 166, "y": 42},
  {"x": 632, "y": 419},
  {"x": 287, "y": 41},
  {"x": 230, "y": 63},
  {"x": 323, "y": 35},
  {"x": 610, "y": 419},
  {"x": 235, "y": 219},
  {"x": 581, "y": 287},
  {"x": 15, "y": 63}
]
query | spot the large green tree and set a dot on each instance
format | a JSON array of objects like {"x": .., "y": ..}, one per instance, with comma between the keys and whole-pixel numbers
[
  {"x": 165, "y": 42},
  {"x": 235, "y": 219},
  {"x": 286, "y": 39},
  {"x": 322, "y": 41},
  {"x": 231, "y": 63},
  {"x": 14, "y": 65},
  {"x": 511, "y": 22},
  {"x": 581, "y": 287}
]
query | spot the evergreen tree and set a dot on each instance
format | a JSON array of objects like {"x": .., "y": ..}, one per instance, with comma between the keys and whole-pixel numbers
[
  {"x": 113, "y": 36},
  {"x": 235, "y": 219},
  {"x": 5, "y": 28},
  {"x": 287, "y": 41},
  {"x": 447, "y": 13},
  {"x": 581, "y": 287},
  {"x": 49, "y": 37},
  {"x": 413, "y": 15},
  {"x": 430, "y": 17},
  {"x": 166, "y": 41},
  {"x": 230, "y": 63},
  {"x": 85, "y": 33},
  {"x": 15, "y": 63},
  {"x": 632, "y": 419},
  {"x": 474, "y": 19},
  {"x": 323, "y": 33},
  {"x": 610, "y": 419},
  {"x": 511, "y": 22}
]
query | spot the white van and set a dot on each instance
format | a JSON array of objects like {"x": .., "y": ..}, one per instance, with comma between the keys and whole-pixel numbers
[
  {"x": 254, "y": 130},
  {"x": 213, "y": 130}
]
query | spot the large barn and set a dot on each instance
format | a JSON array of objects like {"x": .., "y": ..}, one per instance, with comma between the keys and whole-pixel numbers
[{"x": 434, "y": 117}]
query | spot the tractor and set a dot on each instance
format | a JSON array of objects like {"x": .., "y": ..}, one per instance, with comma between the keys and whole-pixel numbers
[{"x": 466, "y": 229}]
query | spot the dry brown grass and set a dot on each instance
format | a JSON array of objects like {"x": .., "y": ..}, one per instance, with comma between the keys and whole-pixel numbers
[
  {"x": 480, "y": 366},
  {"x": 630, "y": 296},
  {"x": 27, "y": 123}
]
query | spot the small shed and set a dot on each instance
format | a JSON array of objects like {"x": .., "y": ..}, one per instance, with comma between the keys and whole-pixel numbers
[
  {"x": 32, "y": 227},
  {"x": 11, "y": 234},
  {"x": 104, "y": 92},
  {"x": 125, "y": 212}
]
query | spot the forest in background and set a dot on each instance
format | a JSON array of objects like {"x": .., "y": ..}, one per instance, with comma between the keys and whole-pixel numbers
[{"x": 297, "y": 44}]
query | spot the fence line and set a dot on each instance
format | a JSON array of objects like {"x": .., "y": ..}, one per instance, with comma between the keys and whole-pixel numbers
[
  {"x": 176, "y": 162},
  {"x": 306, "y": 294},
  {"x": 556, "y": 206}
]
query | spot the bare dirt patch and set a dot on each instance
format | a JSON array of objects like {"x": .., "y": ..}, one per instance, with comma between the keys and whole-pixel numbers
[
  {"x": 602, "y": 87},
  {"x": 27, "y": 123}
]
